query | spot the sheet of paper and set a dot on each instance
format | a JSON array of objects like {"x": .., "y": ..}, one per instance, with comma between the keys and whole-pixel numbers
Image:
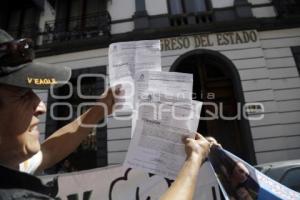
[
  {"x": 127, "y": 58},
  {"x": 168, "y": 96},
  {"x": 157, "y": 148},
  {"x": 164, "y": 117},
  {"x": 182, "y": 114},
  {"x": 154, "y": 86},
  {"x": 173, "y": 84}
]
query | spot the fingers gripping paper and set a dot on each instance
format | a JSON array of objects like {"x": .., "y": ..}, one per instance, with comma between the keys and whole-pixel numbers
[{"x": 166, "y": 113}]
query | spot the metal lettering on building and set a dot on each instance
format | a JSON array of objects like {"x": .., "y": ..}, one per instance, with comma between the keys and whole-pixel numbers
[{"x": 209, "y": 40}]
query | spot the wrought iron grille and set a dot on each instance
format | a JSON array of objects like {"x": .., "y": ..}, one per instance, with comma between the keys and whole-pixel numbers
[
  {"x": 79, "y": 27},
  {"x": 192, "y": 18},
  {"x": 30, "y": 31}
]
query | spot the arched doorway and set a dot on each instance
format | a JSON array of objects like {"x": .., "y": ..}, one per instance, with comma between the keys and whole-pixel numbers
[{"x": 216, "y": 81}]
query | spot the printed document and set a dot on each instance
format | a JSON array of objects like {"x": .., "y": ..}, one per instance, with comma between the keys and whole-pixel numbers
[
  {"x": 174, "y": 84},
  {"x": 163, "y": 119},
  {"x": 157, "y": 148},
  {"x": 127, "y": 58}
]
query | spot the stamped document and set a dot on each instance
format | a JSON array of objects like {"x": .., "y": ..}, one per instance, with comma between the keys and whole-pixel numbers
[
  {"x": 164, "y": 118},
  {"x": 173, "y": 84},
  {"x": 127, "y": 58},
  {"x": 165, "y": 96}
]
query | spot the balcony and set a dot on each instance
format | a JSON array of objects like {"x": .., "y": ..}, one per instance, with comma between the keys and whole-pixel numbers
[
  {"x": 28, "y": 31},
  {"x": 191, "y": 18},
  {"x": 77, "y": 28}
]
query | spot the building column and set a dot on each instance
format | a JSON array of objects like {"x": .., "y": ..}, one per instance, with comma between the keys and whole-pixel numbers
[
  {"x": 140, "y": 17},
  {"x": 243, "y": 9}
]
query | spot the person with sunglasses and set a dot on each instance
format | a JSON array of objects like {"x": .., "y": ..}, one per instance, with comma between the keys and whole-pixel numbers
[{"x": 20, "y": 148}]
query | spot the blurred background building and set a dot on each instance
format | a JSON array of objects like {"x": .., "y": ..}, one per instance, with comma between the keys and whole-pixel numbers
[{"x": 240, "y": 51}]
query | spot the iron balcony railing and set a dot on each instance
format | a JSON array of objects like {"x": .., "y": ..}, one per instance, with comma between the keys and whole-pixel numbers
[
  {"x": 79, "y": 27},
  {"x": 28, "y": 31},
  {"x": 191, "y": 18}
]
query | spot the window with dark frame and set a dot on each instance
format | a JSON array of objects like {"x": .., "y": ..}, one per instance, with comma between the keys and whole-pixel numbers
[
  {"x": 296, "y": 53},
  {"x": 189, "y": 12},
  {"x": 177, "y": 7},
  {"x": 79, "y": 14},
  {"x": 78, "y": 19},
  {"x": 21, "y": 20},
  {"x": 287, "y": 7}
]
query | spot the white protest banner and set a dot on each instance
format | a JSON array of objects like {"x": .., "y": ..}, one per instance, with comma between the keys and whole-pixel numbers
[{"x": 118, "y": 183}]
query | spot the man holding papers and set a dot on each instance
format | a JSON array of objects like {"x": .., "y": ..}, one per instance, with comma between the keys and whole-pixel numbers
[{"x": 21, "y": 152}]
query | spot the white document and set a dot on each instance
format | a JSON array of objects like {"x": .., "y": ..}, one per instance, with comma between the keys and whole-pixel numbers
[
  {"x": 179, "y": 85},
  {"x": 127, "y": 58},
  {"x": 154, "y": 86},
  {"x": 165, "y": 96},
  {"x": 157, "y": 148},
  {"x": 164, "y": 117},
  {"x": 182, "y": 114}
]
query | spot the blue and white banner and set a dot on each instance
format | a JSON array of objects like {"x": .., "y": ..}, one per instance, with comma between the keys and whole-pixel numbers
[{"x": 240, "y": 181}]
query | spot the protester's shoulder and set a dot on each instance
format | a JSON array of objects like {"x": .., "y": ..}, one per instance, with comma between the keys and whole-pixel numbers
[
  {"x": 20, "y": 194},
  {"x": 15, "y": 182}
]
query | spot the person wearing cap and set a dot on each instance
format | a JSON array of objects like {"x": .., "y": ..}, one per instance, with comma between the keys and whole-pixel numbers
[{"x": 20, "y": 149}]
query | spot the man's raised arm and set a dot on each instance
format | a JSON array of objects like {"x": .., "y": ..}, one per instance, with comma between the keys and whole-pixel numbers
[
  {"x": 183, "y": 188},
  {"x": 65, "y": 140}
]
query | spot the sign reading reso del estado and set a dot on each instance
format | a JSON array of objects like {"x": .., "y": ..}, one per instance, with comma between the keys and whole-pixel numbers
[{"x": 209, "y": 40}]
